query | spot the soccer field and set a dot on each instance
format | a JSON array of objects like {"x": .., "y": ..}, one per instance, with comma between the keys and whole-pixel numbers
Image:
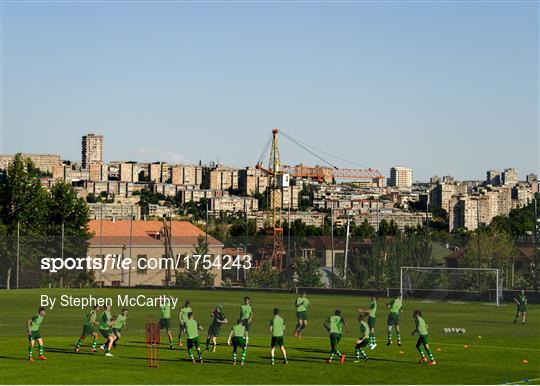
[{"x": 495, "y": 353}]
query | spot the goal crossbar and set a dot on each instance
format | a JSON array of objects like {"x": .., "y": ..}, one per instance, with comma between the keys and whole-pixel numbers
[{"x": 494, "y": 270}]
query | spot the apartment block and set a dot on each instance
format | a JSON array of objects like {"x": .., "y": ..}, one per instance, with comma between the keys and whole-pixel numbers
[
  {"x": 196, "y": 195},
  {"x": 114, "y": 211},
  {"x": 92, "y": 150},
  {"x": 441, "y": 194},
  {"x": 177, "y": 175},
  {"x": 233, "y": 204},
  {"x": 401, "y": 218},
  {"x": 192, "y": 175},
  {"x": 252, "y": 181},
  {"x": 220, "y": 178},
  {"x": 126, "y": 172},
  {"x": 154, "y": 172},
  {"x": 493, "y": 177},
  {"x": 510, "y": 177},
  {"x": 44, "y": 162},
  {"x": 400, "y": 177}
]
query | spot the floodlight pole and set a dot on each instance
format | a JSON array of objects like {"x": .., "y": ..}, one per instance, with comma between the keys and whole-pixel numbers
[
  {"x": 332, "y": 240},
  {"x": 18, "y": 256},
  {"x": 401, "y": 283}
]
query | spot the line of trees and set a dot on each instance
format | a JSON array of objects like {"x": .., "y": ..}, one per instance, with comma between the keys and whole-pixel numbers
[{"x": 38, "y": 216}]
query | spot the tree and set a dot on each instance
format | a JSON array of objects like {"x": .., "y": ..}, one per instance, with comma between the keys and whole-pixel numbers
[
  {"x": 497, "y": 250},
  {"x": 22, "y": 198},
  {"x": 196, "y": 277},
  {"x": 306, "y": 272},
  {"x": 40, "y": 215},
  {"x": 265, "y": 276}
]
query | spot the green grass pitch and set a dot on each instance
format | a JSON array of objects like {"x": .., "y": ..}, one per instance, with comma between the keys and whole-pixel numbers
[{"x": 495, "y": 358}]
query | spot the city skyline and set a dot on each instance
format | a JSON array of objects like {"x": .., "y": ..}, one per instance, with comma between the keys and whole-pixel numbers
[{"x": 379, "y": 84}]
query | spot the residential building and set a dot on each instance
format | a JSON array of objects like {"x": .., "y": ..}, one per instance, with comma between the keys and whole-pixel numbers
[
  {"x": 441, "y": 194},
  {"x": 493, "y": 177},
  {"x": 114, "y": 211},
  {"x": 92, "y": 149},
  {"x": 154, "y": 172},
  {"x": 233, "y": 204},
  {"x": 510, "y": 177},
  {"x": 400, "y": 177},
  {"x": 44, "y": 162}
]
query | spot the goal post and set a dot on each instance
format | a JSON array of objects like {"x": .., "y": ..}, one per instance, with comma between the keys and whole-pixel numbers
[{"x": 451, "y": 284}]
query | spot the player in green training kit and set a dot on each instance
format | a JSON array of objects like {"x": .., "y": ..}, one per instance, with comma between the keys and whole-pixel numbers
[
  {"x": 192, "y": 331},
  {"x": 371, "y": 319},
  {"x": 302, "y": 305},
  {"x": 90, "y": 327},
  {"x": 106, "y": 322},
  {"x": 237, "y": 338},
  {"x": 246, "y": 314},
  {"x": 218, "y": 318},
  {"x": 32, "y": 326},
  {"x": 363, "y": 340},
  {"x": 521, "y": 302},
  {"x": 395, "y": 306},
  {"x": 119, "y": 324},
  {"x": 183, "y": 316},
  {"x": 165, "y": 318},
  {"x": 421, "y": 329},
  {"x": 277, "y": 328},
  {"x": 334, "y": 325}
]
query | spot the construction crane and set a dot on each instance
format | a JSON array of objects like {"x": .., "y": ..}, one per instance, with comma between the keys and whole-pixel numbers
[
  {"x": 279, "y": 178},
  {"x": 274, "y": 249},
  {"x": 328, "y": 174}
]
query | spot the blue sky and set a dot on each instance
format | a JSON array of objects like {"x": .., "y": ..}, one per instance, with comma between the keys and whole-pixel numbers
[{"x": 442, "y": 87}]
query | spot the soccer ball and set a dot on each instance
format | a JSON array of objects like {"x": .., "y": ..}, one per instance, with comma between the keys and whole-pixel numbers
[
  {"x": 524, "y": 361},
  {"x": 466, "y": 346}
]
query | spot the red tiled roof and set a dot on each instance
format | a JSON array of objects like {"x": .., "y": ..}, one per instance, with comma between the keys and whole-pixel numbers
[{"x": 145, "y": 233}]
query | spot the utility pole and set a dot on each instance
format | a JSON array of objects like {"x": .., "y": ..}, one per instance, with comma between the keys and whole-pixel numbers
[
  {"x": 101, "y": 241},
  {"x": 18, "y": 255},
  {"x": 289, "y": 235},
  {"x": 206, "y": 224},
  {"x": 536, "y": 225},
  {"x": 130, "y": 244},
  {"x": 332, "y": 240},
  {"x": 377, "y": 216},
  {"x": 346, "y": 247},
  {"x": 62, "y": 255},
  {"x": 478, "y": 229}
]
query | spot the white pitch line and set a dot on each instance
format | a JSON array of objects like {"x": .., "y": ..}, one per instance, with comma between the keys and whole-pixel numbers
[
  {"x": 494, "y": 347},
  {"x": 522, "y": 381}
]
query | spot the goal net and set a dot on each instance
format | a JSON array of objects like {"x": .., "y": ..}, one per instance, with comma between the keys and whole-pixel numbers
[{"x": 452, "y": 284}]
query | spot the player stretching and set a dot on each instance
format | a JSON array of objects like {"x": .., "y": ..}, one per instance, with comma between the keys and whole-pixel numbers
[
  {"x": 238, "y": 339},
  {"x": 183, "y": 316},
  {"x": 302, "y": 304},
  {"x": 363, "y": 339},
  {"x": 90, "y": 327},
  {"x": 165, "y": 318},
  {"x": 521, "y": 302},
  {"x": 334, "y": 325},
  {"x": 395, "y": 306},
  {"x": 192, "y": 330},
  {"x": 32, "y": 326},
  {"x": 246, "y": 314},
  {"x": 277, "y": 328},
  {"x": 218, "y": 318},
  {"x": 372, "y": 315},
  {"x": 105, "y": 329},
  {"x": 421, "y": 329},
  {"x": 119, "y": 324}
]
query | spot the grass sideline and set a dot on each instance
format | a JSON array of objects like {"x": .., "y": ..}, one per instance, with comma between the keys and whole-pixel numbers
[{"x": 495, "y": 358}]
